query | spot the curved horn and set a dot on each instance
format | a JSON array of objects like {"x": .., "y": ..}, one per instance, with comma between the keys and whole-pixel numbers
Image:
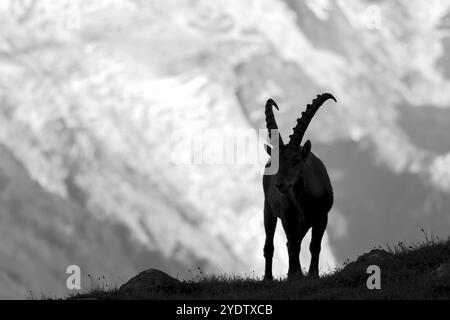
[
  {"x": 303, "y": 122},
  {"x": 271, "y": 124}
]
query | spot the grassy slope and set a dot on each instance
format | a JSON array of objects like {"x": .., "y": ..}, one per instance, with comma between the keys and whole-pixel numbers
[{"x": 406, "y": 273}]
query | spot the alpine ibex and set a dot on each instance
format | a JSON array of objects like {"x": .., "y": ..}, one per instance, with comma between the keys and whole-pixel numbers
[{"x": 299, "y": 193}]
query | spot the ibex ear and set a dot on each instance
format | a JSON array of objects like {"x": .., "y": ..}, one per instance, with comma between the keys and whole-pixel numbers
[
  {"x": 268, "y": 149},
  {"x": 306, "y": 149}
]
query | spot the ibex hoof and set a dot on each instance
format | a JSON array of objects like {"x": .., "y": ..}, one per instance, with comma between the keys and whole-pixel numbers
[
  {"x": 295, "y": 276},
  {"x": 313, "y": 274},
  {"x": 268, "y": 278}
]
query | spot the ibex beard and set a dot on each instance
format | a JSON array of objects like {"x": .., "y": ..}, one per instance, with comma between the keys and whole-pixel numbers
[{"x": 299, "y": 193}]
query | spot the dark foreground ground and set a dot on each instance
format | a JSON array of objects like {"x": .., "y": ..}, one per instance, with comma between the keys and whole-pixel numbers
[{"x": 407, "y": 272}]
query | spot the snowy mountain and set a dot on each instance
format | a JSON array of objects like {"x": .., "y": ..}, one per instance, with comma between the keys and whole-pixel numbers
[{"x": 95, "y": 98}]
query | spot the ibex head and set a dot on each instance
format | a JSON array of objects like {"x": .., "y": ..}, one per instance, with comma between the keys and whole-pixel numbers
[{"x": 291, "y": 157}]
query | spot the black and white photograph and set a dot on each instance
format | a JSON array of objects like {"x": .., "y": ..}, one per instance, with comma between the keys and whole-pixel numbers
[{"x": 224, "y": 150}]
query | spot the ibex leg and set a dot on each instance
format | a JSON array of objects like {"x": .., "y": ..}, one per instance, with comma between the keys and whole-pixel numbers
[
  {"x": 270, "y": 224},
  {"x": 295, "y": 235},
  {"x": 315, "y": 246}
]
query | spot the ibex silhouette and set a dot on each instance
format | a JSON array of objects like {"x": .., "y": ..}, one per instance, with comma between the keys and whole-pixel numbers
[{"x": 299, "y": 193}]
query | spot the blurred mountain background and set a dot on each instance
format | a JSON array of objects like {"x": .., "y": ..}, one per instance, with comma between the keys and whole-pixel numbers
[{"x": 92, "y": 95}]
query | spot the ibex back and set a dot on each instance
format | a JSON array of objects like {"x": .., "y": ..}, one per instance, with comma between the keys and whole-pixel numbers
[{"x": 299, "y": 193}]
